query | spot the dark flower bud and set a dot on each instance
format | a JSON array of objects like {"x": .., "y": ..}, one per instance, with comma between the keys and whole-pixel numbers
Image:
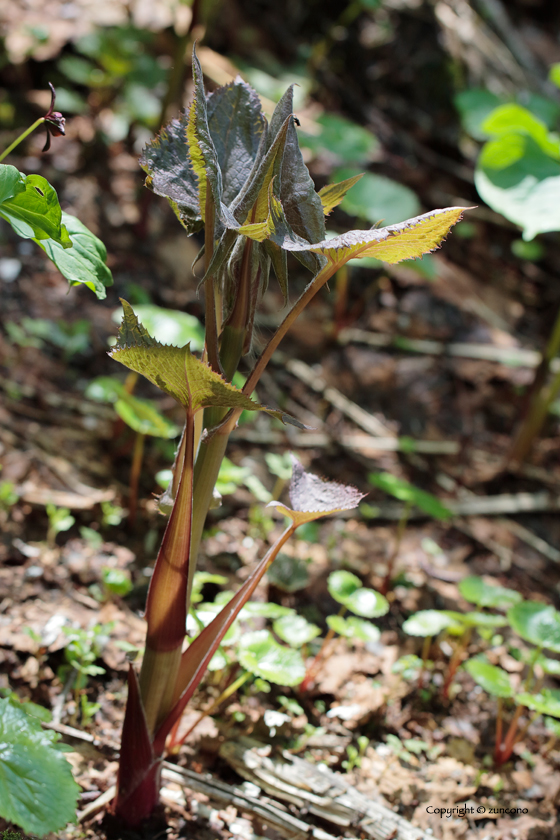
[{"x": 54, "y": 122}]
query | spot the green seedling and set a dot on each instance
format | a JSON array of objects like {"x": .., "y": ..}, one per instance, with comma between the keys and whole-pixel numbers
[
  {"x": 430, "y": 623},
  {"x": 8, "y": 495},
  {"x": 60, "y": 520},
  {"x": 355, "y": 754},
  {"x": 412, "y": 497},
  {"x": 348, "y": 591},
  {"x": 82, "y": 651},
  {"x": 244, "y": 181}
]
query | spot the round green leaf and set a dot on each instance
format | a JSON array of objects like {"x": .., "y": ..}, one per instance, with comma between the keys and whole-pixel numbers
[
  {"x": 367, "y": 603},
  {"x": 493, "y": 680},
  {"x": 262, "y": 609},
  {"x": 546, "y": 702},
  {"x": 536, "y": 623},
  {"x": 295, "y": 630},
  {"x": 289, "y": 573},
  {"x": 342, "y": 584},
  {"x": 116, "y": 581},
  {"x": 260, "y": 654},
  {"x": 428, "y": 623},
  {"x": 37, "y": 791},
  {"x": 475, "y": 590},
  {"x": 353, "y": 628},
  {"x": 12, "y": 182}
]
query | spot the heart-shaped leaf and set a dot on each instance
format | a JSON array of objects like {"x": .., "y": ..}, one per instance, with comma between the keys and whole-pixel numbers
[
  {"x": 261, "y": 654},
  {"x": 295, "y": 630}
]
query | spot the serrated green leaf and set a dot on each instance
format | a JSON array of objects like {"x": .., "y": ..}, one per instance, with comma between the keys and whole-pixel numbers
[
  {"x": 35, "y": 212},
  {"x": 494, "y": 680},
  {"x": 85, "y": 262},
  {"x": 168, "y": 326},
  {"x": 37, "y": 791},
  {"x": 177, "y": 372},
  {"x": 295, "y": 630},
  {"x": 546, "y": 702},
  {"x": 536, "y": 623},
  {"x": 332, "y": 194},
  {"x": 406, "y": 492},
  {"x": 260, "y": 654},
  {"x": 391, "y": 244},
  {"x": 428, "y": 623},
  {"x": 477, "y": 591},
  {"x": 12, "y": 182}
]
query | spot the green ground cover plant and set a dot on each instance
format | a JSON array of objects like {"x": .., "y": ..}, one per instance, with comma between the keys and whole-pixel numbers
[
  {"x": 531, "y": 621},
  {"x": 226, "y": 170}
]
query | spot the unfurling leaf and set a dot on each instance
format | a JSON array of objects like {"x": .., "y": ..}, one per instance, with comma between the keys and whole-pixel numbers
[
  {"x": 176, "y": 371},
  {"x": 313, "y": 497},
  {"x": 332, "y": 194}
]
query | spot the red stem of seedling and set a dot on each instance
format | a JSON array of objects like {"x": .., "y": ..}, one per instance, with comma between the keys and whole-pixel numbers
[
  {"x": 315, "y": 665},
  {"x": 505, "y": 748},
  {"x": 455, "y": 661}
]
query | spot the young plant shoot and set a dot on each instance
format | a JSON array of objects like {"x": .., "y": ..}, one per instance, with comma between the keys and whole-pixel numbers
[{"x": 224, "y": 168}]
